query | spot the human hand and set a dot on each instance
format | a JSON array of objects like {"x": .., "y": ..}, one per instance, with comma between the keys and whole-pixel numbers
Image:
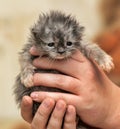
[
  {"x": 49, "y": 115},
  {"x": 93, "y": 94}
]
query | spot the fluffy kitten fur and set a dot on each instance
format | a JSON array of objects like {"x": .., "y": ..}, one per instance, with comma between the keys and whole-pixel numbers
[{"x": 56, "y": 36}]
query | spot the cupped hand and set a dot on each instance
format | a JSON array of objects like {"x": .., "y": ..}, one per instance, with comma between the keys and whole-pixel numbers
[
  {"x": 90, "y": 89},
  {"x": 49, "y": 115}
]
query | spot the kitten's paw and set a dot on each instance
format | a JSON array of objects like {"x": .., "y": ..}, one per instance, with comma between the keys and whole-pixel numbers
[
  {"x": 28, "y": 81},
  {"x": 27, "y": 77},
  {"x": 107, "y": 63}
]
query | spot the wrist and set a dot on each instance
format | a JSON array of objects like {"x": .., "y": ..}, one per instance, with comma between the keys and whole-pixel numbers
[{"x": 112, "y": 120}]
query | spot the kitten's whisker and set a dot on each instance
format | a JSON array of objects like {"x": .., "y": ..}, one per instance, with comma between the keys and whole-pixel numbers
[
  {"x": 67, "y": 59},
  {"x": 51, "y": 61}
]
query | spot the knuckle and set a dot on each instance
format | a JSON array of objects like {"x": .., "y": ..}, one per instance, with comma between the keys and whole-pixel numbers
[
  {"x": 72, "y": 85},
  {"x": 55, "y": 117},
  {"x": 67, "y": 126},
  {"x": 41, "y": 113},
  {"x": 69, "y": 120},
  {"x": 59, "y": 80},
  {"x": 62, "y": 81},
  {"x": 66, "y": 82},
  {"x": 53, "y": 124},
  {"x": 70, "y": 126}
]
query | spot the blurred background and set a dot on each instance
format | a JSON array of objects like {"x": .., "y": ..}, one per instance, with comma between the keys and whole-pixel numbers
[{"x": 101, "y": 19}]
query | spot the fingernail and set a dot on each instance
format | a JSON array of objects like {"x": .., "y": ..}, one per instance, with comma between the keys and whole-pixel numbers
[
  {"x": 34, "y": 95},
  {"x": 46, "y": 103},
  {"x": 60, "y": 105},
  {"x": 32, "y": 49},
  {"x": 71, "y": 110}
]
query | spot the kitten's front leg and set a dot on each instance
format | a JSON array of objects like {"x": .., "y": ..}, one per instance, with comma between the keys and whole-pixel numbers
[
  {"x": 27, "y": 69},
  {"x": 93, "y": 51},
  {"x": 27, "y": 76}
]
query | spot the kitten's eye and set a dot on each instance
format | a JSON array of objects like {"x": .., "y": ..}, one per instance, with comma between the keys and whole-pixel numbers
[
  {"x": 69, "y": 43},
  {"x": 51, "y": 44}
]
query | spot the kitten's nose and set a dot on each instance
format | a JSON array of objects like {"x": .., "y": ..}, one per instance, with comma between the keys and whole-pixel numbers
[{"x": 61, "y": 50}]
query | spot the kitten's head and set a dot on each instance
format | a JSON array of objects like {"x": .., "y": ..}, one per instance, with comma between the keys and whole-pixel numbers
[{"x": 57, "y": 35}]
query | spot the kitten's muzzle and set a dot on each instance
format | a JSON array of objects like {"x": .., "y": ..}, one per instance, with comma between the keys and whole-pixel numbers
[{"x": 61, "y": 52}]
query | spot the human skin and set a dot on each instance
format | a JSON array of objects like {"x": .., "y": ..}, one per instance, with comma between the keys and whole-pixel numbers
[
  {"x": 58, "y": 109},
  {"x": 95, "y": 97}
]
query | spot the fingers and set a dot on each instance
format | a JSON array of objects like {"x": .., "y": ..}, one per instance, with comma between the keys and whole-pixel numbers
[
  {"x": 43, "y": 113},
  {"x": 51, "y": 116},
  {"x": 78, "y": 63},
  {"x": 63, "y": 82},
  {"x": 56, "y": 119},
  {"x": 26, "y": 108},
  {"x": 34, "y": 51},
  {"x": 77, "y": 56},
  {"x": 42, "y": 116},
  {"x": 70, "y": 99},
  {"x": 70, "y": 118},
  {"x": 69, "y": 67}
]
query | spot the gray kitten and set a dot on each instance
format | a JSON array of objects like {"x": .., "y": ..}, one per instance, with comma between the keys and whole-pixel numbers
[{"x": 56, "y": 36}]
